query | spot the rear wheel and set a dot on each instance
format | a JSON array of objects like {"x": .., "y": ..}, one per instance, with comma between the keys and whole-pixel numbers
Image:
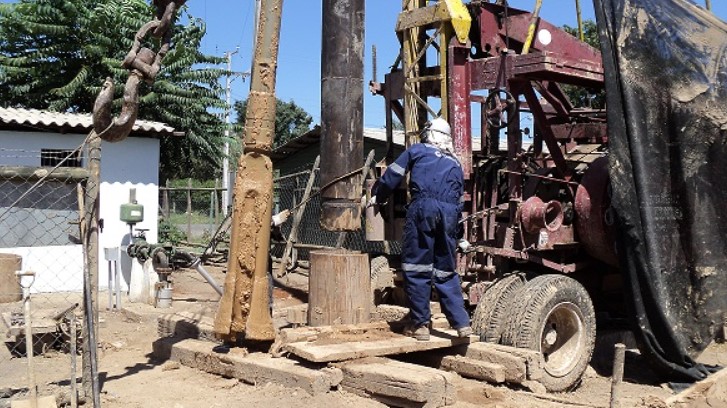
[
  {"x": 494, "y": 308},
  {"x": 555, "y": 316}
]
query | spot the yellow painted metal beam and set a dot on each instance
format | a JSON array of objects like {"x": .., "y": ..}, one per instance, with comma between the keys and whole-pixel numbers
[{"x": 453, "y": 11}]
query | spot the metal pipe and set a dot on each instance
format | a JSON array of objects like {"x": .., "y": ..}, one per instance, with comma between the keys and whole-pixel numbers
[
  {"x": 342, "y": 86},
  {"x": 197, "y": 265},
  {"x": 709, "y": 5},
  {"x": 32, "y": 385},
  {"x": 581, "y": 35},
  {"x": 531, "y": 28},
  {"x": 74, "y": 336},
  {"x": 253, "y": 199},
  {"x": 618, "y": 373}
]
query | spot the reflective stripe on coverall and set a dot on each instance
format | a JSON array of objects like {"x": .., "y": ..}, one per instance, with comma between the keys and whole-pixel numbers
[{"x": 431, "y": 230}]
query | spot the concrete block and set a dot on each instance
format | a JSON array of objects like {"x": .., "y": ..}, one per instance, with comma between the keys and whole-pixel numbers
[
  {"x": 187, "y": 325},
  {"x": 399, "y": 384},
  {"x": 481, "y": 370},
  {"x": 256, "y": 368}
]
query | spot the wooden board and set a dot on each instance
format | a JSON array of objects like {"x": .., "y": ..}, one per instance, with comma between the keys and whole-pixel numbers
[
  {"x": 399, "y": 384},
  {"x": 710, "y": 392},
  {"x": 389, "y": 344},
  {"x": 256, "y": 368}
]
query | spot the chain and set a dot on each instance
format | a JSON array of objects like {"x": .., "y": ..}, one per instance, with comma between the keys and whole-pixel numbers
[{"x": 144, "y": 65}]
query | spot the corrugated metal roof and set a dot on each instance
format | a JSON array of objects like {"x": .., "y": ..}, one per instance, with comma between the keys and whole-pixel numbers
[
  {"x": 80, "y": 121},
  {"x": 313, "y": 137}
]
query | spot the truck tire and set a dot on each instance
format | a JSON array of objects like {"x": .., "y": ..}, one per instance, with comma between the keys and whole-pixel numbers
[
  {"x": 554, "y": 316},
  {"x": 494, "y": 308}
]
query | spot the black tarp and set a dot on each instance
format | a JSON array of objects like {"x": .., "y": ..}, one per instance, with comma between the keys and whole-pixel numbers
[{"x": 666, "y": 85}]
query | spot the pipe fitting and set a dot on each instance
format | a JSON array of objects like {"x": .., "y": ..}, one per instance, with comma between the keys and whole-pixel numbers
[{"x": 536, "y": 215}]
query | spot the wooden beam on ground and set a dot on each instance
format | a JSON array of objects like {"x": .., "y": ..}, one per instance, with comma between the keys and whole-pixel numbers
[
  {"x": 481, "y": 370},
  {"x": 399, "y": 384},
  {"x": 520, "y": 364},
  {"x": 374, "y": 345},
  {"x": 710, "y": 392},
  {"x": 257, "y": 368}
]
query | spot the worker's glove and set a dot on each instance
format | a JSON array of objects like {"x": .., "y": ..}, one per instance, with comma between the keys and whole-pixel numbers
[
  {"x": 464, "y": 246},
  {"x": 280, "y": 218},
  {"x": 372, "y": 202}
]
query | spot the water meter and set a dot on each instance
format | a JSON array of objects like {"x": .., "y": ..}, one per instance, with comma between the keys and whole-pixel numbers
[{"x": 132, "y": 212}]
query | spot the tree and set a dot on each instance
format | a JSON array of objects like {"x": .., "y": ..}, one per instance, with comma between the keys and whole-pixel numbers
[
  {"x": 55, "y": 55},
  {"x": 290, "y": 120},
  {"x": 582, "y": 97}
]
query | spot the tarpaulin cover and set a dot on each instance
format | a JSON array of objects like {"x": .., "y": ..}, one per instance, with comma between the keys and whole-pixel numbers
[{"x": 666, "y": 85}]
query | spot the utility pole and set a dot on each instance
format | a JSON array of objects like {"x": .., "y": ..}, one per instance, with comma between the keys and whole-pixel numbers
[{"x": 227, "y": 197}]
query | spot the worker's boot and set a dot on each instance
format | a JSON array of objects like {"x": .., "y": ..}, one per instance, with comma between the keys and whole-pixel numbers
[
  {"x": 420, "y": 333},
  {"x": 464, "y": 331}
]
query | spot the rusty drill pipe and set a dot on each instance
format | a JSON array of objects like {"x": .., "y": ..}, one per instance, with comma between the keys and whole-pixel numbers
[
  {"x": 618, "y": 374},
  {"x": 243, "y": 308},
  {"x": 342, "y": 113}
]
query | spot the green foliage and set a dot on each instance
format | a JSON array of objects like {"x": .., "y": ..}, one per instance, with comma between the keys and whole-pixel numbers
[
  {"x": 55, "y": 54},
  {"x": 200, "y": 199},
  {"x": 290, "y": 120},
  {"x": 169, "y": 232},
  {"x": 582, "y": 97}
]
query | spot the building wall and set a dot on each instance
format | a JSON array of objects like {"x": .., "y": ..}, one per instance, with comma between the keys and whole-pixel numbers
[
  {"x": 303, "y": 159},
  {"x": 133, "y": 163}
]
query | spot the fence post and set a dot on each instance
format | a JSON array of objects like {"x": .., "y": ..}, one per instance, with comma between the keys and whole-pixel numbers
[
  {"x": 297, "y": 217},
  {"x": 216, "y": 201},
  {"x": 165, "y": 202},
  {"x": 189, "y": 209}
]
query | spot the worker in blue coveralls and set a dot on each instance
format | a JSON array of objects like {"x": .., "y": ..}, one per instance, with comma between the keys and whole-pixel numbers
[{"x": 432, "y": 227}]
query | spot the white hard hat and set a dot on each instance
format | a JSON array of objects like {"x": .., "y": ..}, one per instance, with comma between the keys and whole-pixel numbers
[
  {"x": 440, "y": 125},
  {"x": 437, "y": 132}
]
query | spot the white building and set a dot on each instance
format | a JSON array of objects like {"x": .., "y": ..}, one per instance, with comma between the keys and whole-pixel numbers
[{"x": 39, "y": 222}]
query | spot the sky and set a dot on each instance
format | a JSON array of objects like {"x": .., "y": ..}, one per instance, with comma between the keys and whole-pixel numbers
[{"x": 230, "y": 25}]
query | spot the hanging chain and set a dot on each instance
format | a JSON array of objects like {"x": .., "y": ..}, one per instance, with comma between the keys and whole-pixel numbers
[{"x": 144, "y": 65}]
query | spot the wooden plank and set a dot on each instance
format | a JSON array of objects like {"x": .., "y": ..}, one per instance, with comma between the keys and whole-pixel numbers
[
  {"x": 514, "y": 367},
  {"x": 399, "y": 384},
  {"x": 341, "y": 349},
  {"x": 256, "y": 368},
  {"x": 311, "y": 334},
  {"x": 709, "y": 392},
  {"x": 481, "y": 370}
]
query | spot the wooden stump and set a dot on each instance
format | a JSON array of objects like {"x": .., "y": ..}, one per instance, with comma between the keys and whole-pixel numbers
[{"x": 340, "y": 288}]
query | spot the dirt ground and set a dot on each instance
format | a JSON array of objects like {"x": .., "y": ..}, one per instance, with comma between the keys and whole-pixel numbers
[{"x": 132, "y": 377}]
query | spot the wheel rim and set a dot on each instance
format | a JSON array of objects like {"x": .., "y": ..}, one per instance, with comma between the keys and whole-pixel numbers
[{"x": 562, "y": 339}]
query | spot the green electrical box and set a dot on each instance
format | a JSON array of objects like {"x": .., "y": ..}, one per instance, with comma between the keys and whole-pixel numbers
[{"x": 132, "y": 213}]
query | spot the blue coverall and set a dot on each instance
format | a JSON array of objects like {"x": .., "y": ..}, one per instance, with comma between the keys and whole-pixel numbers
[{"x": 431, "y": 230}]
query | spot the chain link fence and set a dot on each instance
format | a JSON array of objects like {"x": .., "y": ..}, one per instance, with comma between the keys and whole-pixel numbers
[
  {"x": 39, "y": 224},
  {"x": 190, "y": 213},
  {"x": 289, "y": 193},
  {"x": 302, "y": 229}
]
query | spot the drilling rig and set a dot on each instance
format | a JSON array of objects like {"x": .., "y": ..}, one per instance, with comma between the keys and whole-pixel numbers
[
  {"x": 585, "y": 214},
  {"x": 566, "y": 226}
]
